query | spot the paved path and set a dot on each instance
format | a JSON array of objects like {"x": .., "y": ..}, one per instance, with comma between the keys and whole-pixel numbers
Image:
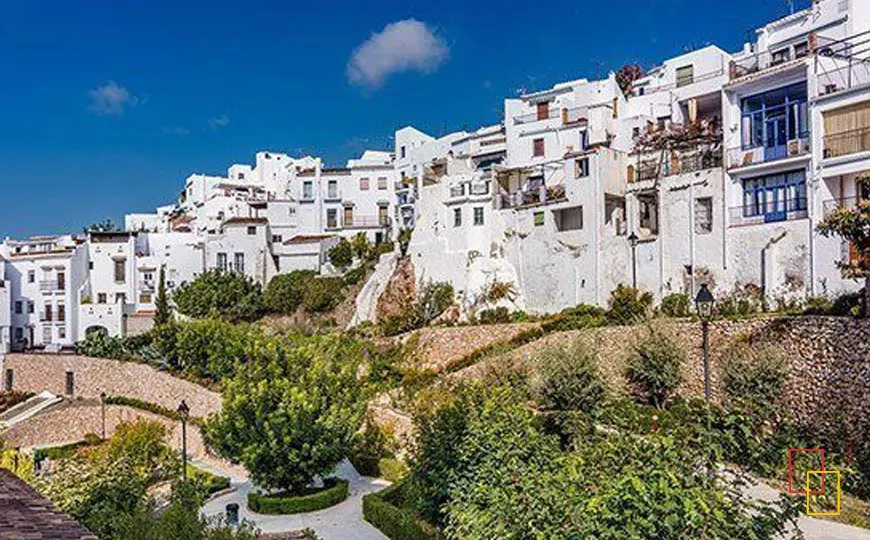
[{"x": 343, "y": 521}]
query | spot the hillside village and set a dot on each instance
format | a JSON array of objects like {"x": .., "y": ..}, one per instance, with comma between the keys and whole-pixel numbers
[{"x": 636, "y": 308}]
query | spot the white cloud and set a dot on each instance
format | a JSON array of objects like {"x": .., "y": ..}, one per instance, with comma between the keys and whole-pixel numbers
[
  {"x": 407, "y": 45},
  {"x": 178, "y": 131},
  {"x": 111, "y": 99},
  {"x": 219, "y": 121}
]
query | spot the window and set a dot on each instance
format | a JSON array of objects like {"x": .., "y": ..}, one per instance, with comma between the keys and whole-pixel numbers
[
  {"x": 538, "y": 147},
  {"x": 775, "y": 196},
  {"x": 331, "y": 218},
  {"x": 539, "y": 219},
  {"x": 61, "y": 280},
  {"x": 30, "y": 307},
  {"x": 780, "y": 56},
  {"x": 801, "y": 49},
  {"x": 61, "y": 332},
  {"x": 46, "y": 334},
  {"x": 120, "y": 298},
  {"x": 252, "y": 230},
  {"x": 46, "y": 315},
  {"x": 569, "y": 219},
  {"x": 101, "y": 298},
  {"x": 277, "y": 238},
  {"x": 364, "y": 183},
  {"x": 70, "y": 383},
  {"x": 332, "y": 189},
  {"x": 847, "y": 129},
  {"x": 703, "y": 215},
  {"x": 348, "y": 216},
  {"x": 222, "y": 262},
  {"x": 457, "y": 217},
  {"x": 61, "y": 313},
  {"x": 19, "y": 334},
  {"x": 635, "y": 132},
  {"x": 120, "y": 270},
  {"x": 307, "y": 190},
  {"x": 384, "y": 215},
  {"x": 239, "y": 263},
  {"x": 144, "y": 298},
  {"x": 18, "y": 307},
  {"x": 581, "y": 168},
  {"x": 685, "y": 75},
  {"x": 402, "y": 152},
  {"x": 774, "y": 118},
  {"x": 382, "y": 182},
  {"x": 543, "y": 109},
  {"x": 31, "y": 276},
  {"x": 241, "y": 176},
  {"x": 10, "y": 377},
  {"x": 478, "y": 215}
]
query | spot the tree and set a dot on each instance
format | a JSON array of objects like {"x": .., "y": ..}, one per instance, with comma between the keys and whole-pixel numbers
[
  {"x": 628, "y": 305},
  {"x": 626, "y": 76},
  {"x": 285, "y": 292},
  {"x": 107, "y": 225},
  {"x": 291, "y": 411},
  {"x": 211, "y": 348},
  {"x": 215, "y": 293},
  {"x": 404, "y": 240},
  {"x": 341, "y": 254},
  {"x": 568, "y": 379},
  {"x": 853, "y": 226},
  {"x": 162, "y": 314},
  {"x": 653, "y": 367},
  {"x": 361, "y": 245}
]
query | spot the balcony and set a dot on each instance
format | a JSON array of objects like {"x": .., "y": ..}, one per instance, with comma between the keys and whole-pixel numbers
[
  {"x": 570, "y": 117},
  {"x": 368, "y": 222},
  {"x": 843, "y": 65},
  {"x": 51, "y": 286},
  {"x": 848, "y": 142},
  {"x": 770, "y": 212},
  {"x": 835, "y": 204},
  {"x": 764, "y": 62},
  {"x": 740, "y": 157},
  {"x": 532, "y": 197},
  {"x": 146, "y": 286},
  {"x": 679, "y": 163},
  {"x": 474, "y": 189}
]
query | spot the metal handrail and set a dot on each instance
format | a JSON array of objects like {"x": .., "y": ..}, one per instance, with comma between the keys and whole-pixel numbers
[
  {"x": 847, "y": 142},
  {"x": 768, "y": 212}
]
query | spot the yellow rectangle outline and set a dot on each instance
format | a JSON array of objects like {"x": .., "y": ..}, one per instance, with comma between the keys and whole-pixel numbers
[{"x": 837, "y": 513}]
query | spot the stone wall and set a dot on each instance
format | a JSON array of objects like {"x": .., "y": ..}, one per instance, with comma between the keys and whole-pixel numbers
[
  {"x": 440, "y": 348},
  {"x": 830, "y": 361},
  {"x": 39, "y": 372}
]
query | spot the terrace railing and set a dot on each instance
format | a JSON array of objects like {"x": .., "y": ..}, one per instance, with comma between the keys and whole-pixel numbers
[
  {"x": 769, "y": 212},
  {"x": 847, "y": 142},
  {"x": 743, "y": 157}
]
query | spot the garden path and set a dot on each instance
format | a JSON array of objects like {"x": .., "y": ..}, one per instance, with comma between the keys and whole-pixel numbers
[{"x": 340, "y": 522}]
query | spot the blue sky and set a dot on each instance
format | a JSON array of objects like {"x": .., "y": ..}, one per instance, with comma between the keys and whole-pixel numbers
[{"x": 106, "y": 106}]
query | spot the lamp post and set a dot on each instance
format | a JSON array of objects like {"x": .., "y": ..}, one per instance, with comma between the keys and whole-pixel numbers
[
  {"x": 704, "y": 302},
  {"x": 183, "y": 412},
  {"x": 103, "y": 413},
  {"x": 632, "y": 240}
]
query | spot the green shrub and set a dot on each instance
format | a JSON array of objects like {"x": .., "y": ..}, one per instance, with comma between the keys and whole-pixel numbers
[
  {"x": 568, "y": 379},
  {"x": 576, "y": 318},
  {"x": 395, "y": 522},
  {"x": 210, "y": 348},
  {"x": 520, "y": 316},
  {"x": 432, "y": 300},
  {"x": 392, "y": 470},
  {"x": 818, "y": 305},
  {"x": 846, "y": 304},
  {"x": 160, "y": 410},
  {"x": 334, "y": 491},
  {"x": 404, "y": 240},
  {"x": 355, "y": 275},
  {"x": 497, "y": 315},
  {"x": 754, "y": 376},
  {"x": 285, "y": 292},
  {"x": 341, "y": 254},
  {"x": 361, "y": 246},
  {"x": 215, "y": 293},
  {"x": 323, "y": 294},
  {"x": 65, "y": 451},
  {"x": 628, "y": 305},
  {"x": 101, "y": 345},
  {"x": 740, "y": 302},
  {"x": 676, "y": 305},
  {"x": 370, "y": 445},
  {"x": 653, "y": 367},
  {"x": 207, "y": 483}
]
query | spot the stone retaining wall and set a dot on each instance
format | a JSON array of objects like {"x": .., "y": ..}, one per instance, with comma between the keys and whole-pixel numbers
[
  {"x": 39, "y": 372},
  {"x": 440, "y": 348},
  {"x": 830, "y": 361}
]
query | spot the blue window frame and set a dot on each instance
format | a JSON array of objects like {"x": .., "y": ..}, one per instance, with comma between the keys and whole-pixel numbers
[
  {"x": 773, "y": 118},
  {"x": 775, "y": 196}
]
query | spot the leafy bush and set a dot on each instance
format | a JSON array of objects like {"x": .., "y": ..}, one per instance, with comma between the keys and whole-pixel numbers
[
  {"x": 676, "y": 305},
  {"x": 499, "y": 315},
  {"x": 576, "y": 318},
  {"x": 568, "y": 379},
  {"x": 361, "y": 246},
  {"x": 101, "y": 345},
  {"x": 653, "y": 367},
  {"x": 285, "y": 292},
  {"x": 818, "y": 305},
  {"x": 432, "y": 300},
  {"x": 301, "y": 406},
  {"x": 160, "y": 410},
  {"x": 227, "y": 295},
  {"x": 341, "y": 254},
  {"x": 334, "y": 491},
  {"x": 628, "y": 305},
  {"x": 404, "y": 240},
  {"x": 206, "y": 483},
  {"x": 394, "y": 521},
  {"x": 392, "y": 470},
  {"x": 323, "y": 294},
  {"x": 740, "y": 302},
  {"x": 754, "y": 376},
  {"x": 211, "y": 348},
  {"x": 355, "y": 275},
  {"x": 846, "y": 304},
  {"x": 371, "y": 445}
]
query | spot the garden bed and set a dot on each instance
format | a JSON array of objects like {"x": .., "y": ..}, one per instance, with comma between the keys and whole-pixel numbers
[
  {"x": 334, "y": 491},
  {"x": 391, "y": 512}
]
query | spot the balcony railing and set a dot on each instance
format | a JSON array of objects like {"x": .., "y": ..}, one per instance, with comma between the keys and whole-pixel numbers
[
  {"x": 682, "y": 163},
  {"x": 50, "y": 286},
  {"x": 762, "y": 61},
  {"x": 146, "y": 286},
  {"x": 744, "y": 157},
  {"x": 474, "y": 188},
  {"x": 843, "y": 202},
  {"x": 843, "y": 64},
  {"x": 532, "y": 197},
  {"x": 569, "y": 116},
  {"x": 367, "y": 222},
  {"x": 848, "y": 142},
  {"x": 769, "y": 212}
]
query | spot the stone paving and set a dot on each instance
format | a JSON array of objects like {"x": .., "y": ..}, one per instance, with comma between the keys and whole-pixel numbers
[{"x": 343, "y": 521}]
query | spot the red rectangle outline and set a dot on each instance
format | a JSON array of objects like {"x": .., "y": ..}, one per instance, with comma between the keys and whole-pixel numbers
[{"x": 821, "y": 452}]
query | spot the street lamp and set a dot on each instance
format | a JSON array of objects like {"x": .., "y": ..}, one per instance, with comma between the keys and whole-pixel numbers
[
  {"x": 103, "y": 413},
  {"x": 704, "y": 302},
  {"x": 632, "y": 240},
  {"x": 183, "y": 412}
]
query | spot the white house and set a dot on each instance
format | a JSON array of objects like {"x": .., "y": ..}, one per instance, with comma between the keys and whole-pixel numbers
[{"x": 5, "y": 309}]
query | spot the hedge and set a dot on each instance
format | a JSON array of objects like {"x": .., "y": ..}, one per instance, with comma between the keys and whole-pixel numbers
[
  {"x": 210, "y": 483},
  {"x": 396, "y": 523},
  {"x": 334, "y": 491},
  {"x": 392, "y": 470},
  {"x": 150, "y": 407}
]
